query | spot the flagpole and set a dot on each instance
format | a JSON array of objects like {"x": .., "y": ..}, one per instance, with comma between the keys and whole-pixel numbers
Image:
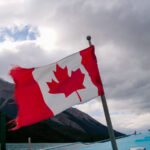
[
  {"x": 109, "y": 124},
  {"x": 107, "y": 115},
  {"x": 3, "y": 131}
]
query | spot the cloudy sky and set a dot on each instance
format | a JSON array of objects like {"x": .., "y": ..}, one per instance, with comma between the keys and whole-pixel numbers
[{"x": 37, "y": 32}]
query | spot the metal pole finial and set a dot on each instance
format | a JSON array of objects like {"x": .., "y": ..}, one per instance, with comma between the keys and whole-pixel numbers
[{"x": 89, "y": 40}]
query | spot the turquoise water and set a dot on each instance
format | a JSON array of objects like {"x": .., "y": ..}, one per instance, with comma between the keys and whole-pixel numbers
[
  {"x": 25, "y": 146},
  {"x": 140, "y": 140}
]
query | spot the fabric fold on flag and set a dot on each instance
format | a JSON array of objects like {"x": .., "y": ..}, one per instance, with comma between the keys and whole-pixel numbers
[{"x": 46, "y": 91}]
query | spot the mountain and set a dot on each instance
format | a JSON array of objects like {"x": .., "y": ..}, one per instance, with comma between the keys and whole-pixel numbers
[
  {"x": 69, "y": 126},
  {"x": 6, "y": 98},
  {"x": 6, "y": 89}
]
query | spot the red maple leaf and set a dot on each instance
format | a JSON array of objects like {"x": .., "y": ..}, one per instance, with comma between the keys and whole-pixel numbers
[{"x": 66, "y": 84}]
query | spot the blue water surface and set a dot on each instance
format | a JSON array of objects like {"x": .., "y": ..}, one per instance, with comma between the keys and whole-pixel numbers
[
  {"x": 140, "y": 140},
  {"x": 125, "y": 143}
]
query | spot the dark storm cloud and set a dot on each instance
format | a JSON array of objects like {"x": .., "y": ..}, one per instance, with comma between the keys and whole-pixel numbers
[{"x": 125, "y": 23}]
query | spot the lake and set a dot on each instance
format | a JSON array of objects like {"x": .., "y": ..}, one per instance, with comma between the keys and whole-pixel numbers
[{"x": 140, "y": 140}]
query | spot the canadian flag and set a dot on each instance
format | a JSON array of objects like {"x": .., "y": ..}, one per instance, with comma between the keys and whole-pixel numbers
[{"x": 44, "y": 92}]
